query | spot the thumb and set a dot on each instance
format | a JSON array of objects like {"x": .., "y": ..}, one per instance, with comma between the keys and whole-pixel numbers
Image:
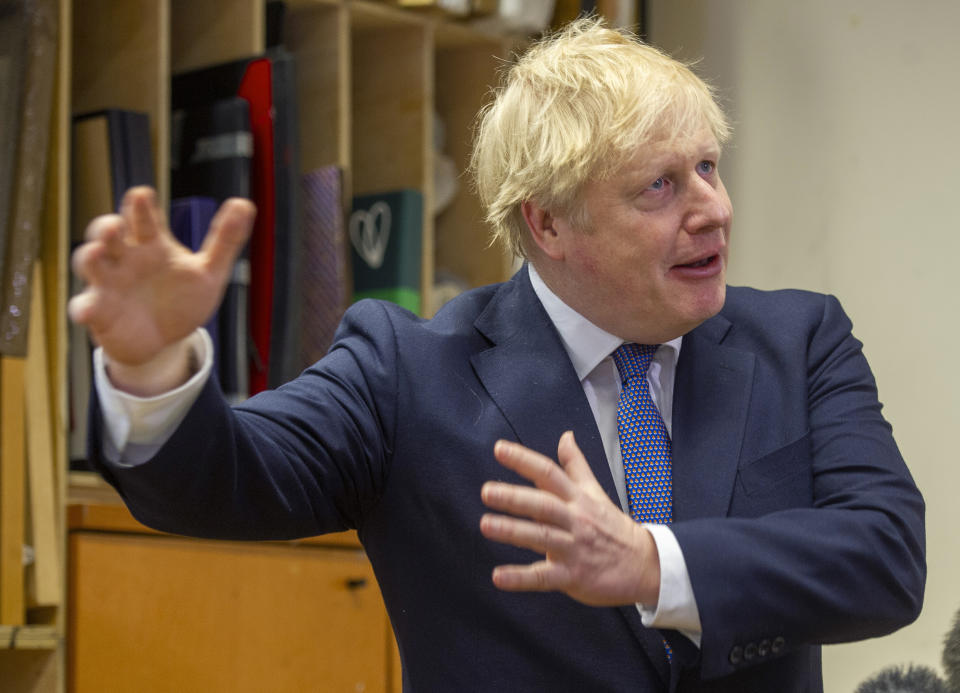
[
  {"x": 573, "y": 461},
  {"x": 229, "y": 231}
]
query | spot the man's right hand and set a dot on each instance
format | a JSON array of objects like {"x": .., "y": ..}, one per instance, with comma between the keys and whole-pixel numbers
[{"x": 144, "y": 290}]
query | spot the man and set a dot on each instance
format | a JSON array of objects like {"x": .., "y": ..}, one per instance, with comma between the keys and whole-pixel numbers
[{"x": 781, "y": 514}]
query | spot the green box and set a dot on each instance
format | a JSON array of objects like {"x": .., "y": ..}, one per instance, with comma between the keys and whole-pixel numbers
[{"x": 385, "y": 232}]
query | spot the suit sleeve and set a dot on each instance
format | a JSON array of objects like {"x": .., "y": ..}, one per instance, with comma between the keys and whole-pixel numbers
[
  {"x": 840, "y": 560},
  {"x": 302, "y": 460}
]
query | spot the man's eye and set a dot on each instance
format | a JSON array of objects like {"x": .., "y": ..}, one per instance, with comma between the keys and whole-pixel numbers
[
  {"x": 706, "y": 168},
  {"x": 659, "y": 184}
]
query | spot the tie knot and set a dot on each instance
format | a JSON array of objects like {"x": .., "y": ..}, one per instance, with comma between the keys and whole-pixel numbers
[{"x": 634, "y": 359}]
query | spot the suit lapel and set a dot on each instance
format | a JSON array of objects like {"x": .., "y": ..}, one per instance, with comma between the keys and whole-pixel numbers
[
  {"x": 710, "y": 401},
  {"x": 530, "y": 377}
]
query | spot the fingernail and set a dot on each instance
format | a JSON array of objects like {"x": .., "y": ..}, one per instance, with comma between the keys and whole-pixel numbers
[{"x": 487, "y": 523}]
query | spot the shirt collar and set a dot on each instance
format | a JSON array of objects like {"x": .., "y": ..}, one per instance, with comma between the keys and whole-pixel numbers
[{"x": 586, "y": 344}]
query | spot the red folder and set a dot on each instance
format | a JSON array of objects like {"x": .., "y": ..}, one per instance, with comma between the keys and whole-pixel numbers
[{"x": 257, "y": 88}]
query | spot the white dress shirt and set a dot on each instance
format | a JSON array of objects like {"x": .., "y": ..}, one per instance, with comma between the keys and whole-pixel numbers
[{"x": 136, "y": 427}]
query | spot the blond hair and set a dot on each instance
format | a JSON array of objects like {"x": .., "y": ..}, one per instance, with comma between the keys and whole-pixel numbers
[{"x": 573, "y": 108}]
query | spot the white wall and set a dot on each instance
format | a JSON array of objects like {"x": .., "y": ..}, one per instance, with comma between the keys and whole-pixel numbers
[{"x": 845, "y": 176}]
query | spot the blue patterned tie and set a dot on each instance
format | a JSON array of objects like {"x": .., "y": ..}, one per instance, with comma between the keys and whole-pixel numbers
[{"x": 644, "y": 443}]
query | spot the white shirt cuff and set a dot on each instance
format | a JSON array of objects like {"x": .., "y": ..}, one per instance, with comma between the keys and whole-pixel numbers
[
  {"x": 136, "y": 427},
  {"x": 676, "y": 608}
]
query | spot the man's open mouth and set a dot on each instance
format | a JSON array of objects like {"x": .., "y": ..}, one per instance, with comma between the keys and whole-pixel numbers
[{"x": 700, "y": 263}]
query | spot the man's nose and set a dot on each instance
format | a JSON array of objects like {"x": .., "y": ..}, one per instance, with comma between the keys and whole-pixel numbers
[{"x": 708, "y": 206}]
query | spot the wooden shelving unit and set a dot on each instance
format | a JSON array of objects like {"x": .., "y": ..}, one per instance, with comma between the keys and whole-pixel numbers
[{"x": 373, "y": 80}]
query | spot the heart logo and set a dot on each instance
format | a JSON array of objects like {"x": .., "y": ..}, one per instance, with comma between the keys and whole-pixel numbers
[{"x": 370, "y": 232}]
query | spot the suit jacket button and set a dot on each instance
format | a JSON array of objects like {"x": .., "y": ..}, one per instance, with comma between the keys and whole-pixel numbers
[
  {"x": 750, "y": 651},
  {"x": 736, "y": 654},
  {"x": 763, "y": 649},
  {"x": 778, "y": 644}
]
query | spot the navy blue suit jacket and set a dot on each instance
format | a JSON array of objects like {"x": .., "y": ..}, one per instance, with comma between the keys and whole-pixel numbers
[{"x": 797, "y": 517}]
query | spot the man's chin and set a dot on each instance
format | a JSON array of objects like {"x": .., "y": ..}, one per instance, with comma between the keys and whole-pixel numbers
[{"x": 705, "y": 306}]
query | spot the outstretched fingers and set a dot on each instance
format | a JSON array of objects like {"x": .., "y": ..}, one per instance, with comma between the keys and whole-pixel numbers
[
  {"x": 108, "y": 230},
  {"x": 591, "y": 550},
  {"x": 526, "y": 502},
  {"x": 533, "y": 466},
  {"x": 536, "y": 536},
  {"x": 229, "y": 231},
  {"x": 142, "y": 213},
  {"x": 574, "y": 463},
  {"x": 542, "y": 576},
  {"x": 88, "y": 262},
  {"x": 537, "y": 518},
  {"x": 81, "y": 307}
]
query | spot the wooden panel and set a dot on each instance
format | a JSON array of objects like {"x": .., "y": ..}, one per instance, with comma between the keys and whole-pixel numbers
[
  {"x": 12, "y": 471},
  {"x": 318, "y": 36},
  {"x": 43, "y": 576},
  {"x": 111, "y": 518},
  {"x": 121, "y": 60},
  {"x": 29, "y": 638},
  {"x": 394, "y": 664},
  {"x": 36, "y": 671},
  {"x": 454, "y": 35},
  {"x": 392, "y": 100},
  {"x": 106, "y": 512},
  {"x": 213, "y": 31},
  {"x": 465, "y": 74},
  {"x": 372, "y": 16},
  {"x": 162, "y": 614},
  {"x": 55, "y": 254}
]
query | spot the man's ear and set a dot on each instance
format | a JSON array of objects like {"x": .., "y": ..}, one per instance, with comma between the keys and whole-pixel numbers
[{"x": 543, "y": 229}]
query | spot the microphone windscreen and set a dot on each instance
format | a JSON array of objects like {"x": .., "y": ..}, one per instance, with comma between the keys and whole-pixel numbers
[
  {"x": 951, "y": 654},
  {"x": 904, "y": 679}
]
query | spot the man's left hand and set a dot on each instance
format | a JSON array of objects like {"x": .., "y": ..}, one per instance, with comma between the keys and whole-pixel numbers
[{"x": 592, "y": 551}]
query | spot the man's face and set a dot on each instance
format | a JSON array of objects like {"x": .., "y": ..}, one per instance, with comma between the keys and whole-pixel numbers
[{"x": 651, "y": 265}]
